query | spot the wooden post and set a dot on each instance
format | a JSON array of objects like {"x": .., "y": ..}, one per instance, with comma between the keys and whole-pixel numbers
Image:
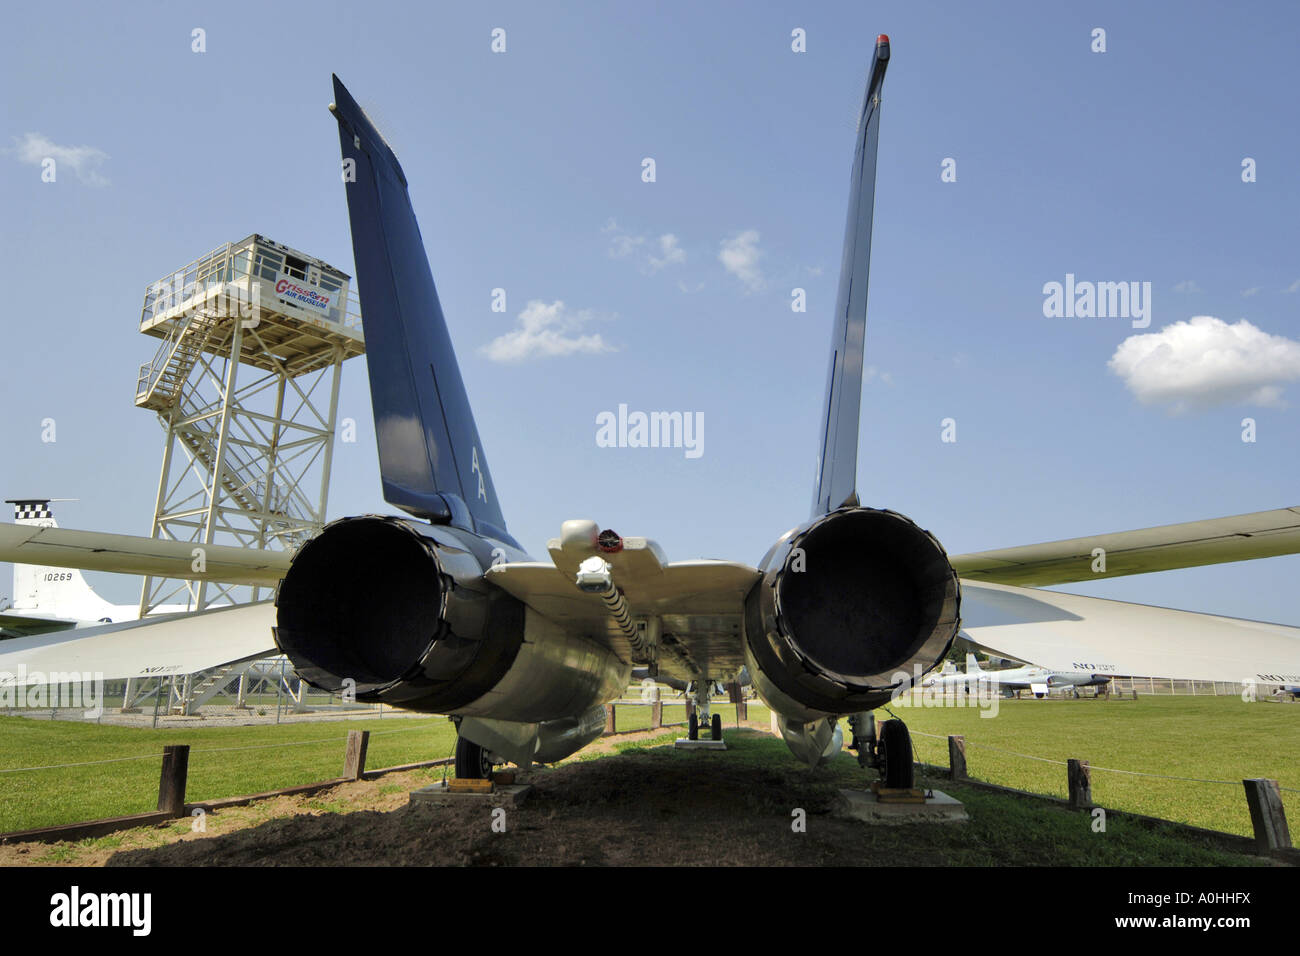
[
  {"x": 1267, "y": 815},
  {"x": 742, "y": 710},
  {"x": 734, "y": 695},
  {"x": 956, "y": 757},
  {"x": 609, "y": 719},
  {"x": 1080, "y": 781},
  {"x": 354, "y": 758},
  {"x": 656, "y": 715},
  {"x": 171, "y": 785},
  {"x": 690, "y": 709}
]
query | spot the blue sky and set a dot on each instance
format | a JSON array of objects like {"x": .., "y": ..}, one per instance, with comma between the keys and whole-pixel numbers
[{"x": 1117, "y": 166}]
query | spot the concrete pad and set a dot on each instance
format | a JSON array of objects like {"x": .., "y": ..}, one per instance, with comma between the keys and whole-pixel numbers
[
  {"x": 685, "y": 743},
  {"x": 507, "y": 795},
  {"x": 863, "y": 805}
]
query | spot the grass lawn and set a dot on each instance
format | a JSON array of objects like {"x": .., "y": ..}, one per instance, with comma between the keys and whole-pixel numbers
[
  {"x": 1202, "y": 737},
  {"x": 1210, "y": 738},
  {"x": 286, "y": 755}
]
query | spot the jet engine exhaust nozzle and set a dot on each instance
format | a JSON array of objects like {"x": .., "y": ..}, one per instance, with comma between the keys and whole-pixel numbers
[
  {"x": 848, "y": 601},
  {"x": 375, "y": 606}
]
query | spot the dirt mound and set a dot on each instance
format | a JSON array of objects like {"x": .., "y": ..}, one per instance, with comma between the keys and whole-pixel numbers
[{"x": 644, "y": 806}]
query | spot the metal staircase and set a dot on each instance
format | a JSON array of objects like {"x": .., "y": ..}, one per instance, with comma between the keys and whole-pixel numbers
[
  {"x": 197, "y": 689},
  {"x": 162, "y": 381}
]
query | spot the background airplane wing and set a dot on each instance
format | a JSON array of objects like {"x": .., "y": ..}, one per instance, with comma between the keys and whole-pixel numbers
[
  {"x": 1264, "y": 534},
  {"x": 127, "y": 554},
  {"x": 1068, "y": 632},
  {"x": 179, "y": 644},
  {"x": 22, "y": 625}
]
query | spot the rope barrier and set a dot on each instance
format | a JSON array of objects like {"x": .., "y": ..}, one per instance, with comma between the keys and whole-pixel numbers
[
  {"x": 1062, "y": 763},
  {"x": 208, "y": 750}
]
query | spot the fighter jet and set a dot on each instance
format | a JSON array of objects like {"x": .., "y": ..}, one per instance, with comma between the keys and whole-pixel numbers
[
  {"x": 440, "y": 610},
  {"x": 1010, "y": 681}
]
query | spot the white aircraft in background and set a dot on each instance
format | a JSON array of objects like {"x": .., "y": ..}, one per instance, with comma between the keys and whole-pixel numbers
[
  {"x": 440, "y": 610},
  {"x": 48, "y": 598},
  {"x": 1012, "y": 680}
]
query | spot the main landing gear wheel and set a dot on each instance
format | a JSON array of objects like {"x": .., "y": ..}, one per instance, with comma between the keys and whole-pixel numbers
[
  {"x": 472, "y": 761},
  {"x": 895, "y": 756},
  {"x": 693, "y": 727},
  {"x": 715, "y": 731}
]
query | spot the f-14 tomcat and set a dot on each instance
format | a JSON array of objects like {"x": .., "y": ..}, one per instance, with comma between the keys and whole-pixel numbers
[
  {"x": 440, "y": 610},
  {"x": 526, "y": 654}
]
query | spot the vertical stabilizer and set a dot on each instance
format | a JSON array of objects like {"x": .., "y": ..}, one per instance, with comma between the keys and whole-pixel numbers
[
  {"x": 58, "y": 592},
  {"x": 837, "y": 463},
  {"x": 430, "y": 457}
]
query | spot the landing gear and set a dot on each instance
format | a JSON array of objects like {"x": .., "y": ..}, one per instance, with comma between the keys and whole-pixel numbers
[
  {"x": 472, "y": 761},
  {"x": 699, "y": 716},
  {"x": 889, "y": 751},
  {"x": 863, "y": 740},
  {"x": 894, "y": 756}
]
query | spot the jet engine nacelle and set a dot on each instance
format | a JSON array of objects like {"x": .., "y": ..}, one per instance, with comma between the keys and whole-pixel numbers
[
  {"x": 397, "y": 612},
  {"x": 400, "y": 612},
  {"x": 846, "y": 603}
]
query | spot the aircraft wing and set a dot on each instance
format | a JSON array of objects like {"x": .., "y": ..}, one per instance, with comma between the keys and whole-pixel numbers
[
  {"x": 1264, "y": 534},
  {"x": 1068, "y": 632},
  {"x": 128, "y": 554},
  {"x": 23, "y": 625},
  {"x": 177, "y": 644}
]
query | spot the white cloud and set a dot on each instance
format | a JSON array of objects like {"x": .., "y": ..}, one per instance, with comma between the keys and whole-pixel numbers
[
  {"x": 872, "y": 374},
  {"x": 620, "y": 247},
  {"x": 84, "y": 161},
  {"x": 740, "y": 255},
  {"x": 546, "y": 331},
  {"x": 1206, "y": 362},
  {"x": 1293, "y": 287},
  {"x": 1187, "y": 285},
  {"x": 624, "y": 245},
  {"x": 1253, "y": 290},
  {"x": 669, "y": 253}
]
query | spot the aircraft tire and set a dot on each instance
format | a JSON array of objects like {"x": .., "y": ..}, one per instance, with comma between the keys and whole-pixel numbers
[
  {"x": 693, "y": 727},
  {"x": 472, "y": 761},
  {"x": 716, "y": 730},
  {"x": 896, "y": 771}
]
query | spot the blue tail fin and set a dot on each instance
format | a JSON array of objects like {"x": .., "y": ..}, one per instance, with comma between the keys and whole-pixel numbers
[
  {"x": 837, "y": 465},
  {"x": 430, "y": 456}
]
